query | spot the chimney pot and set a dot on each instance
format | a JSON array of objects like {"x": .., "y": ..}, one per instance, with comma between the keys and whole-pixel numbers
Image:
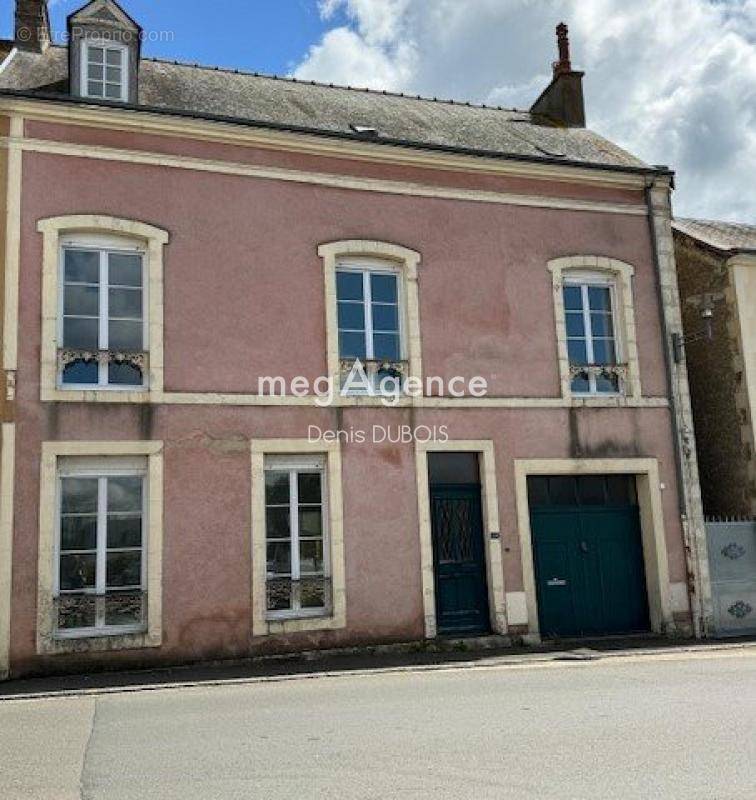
[{"x": 563, "y": 42}]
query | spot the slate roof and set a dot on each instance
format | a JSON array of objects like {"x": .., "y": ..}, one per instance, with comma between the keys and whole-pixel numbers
[
  {"x": 724, "y": 236},
  {"x": 285, "y": 103}
]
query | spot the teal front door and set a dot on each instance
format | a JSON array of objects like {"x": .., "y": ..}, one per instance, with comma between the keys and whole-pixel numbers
[
  {"x": 459, "y": 560},
  {"x": 588, "y": 555}
]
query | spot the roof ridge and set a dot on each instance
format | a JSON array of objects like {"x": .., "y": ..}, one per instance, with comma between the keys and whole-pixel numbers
[{"x": 322, "y": 84}]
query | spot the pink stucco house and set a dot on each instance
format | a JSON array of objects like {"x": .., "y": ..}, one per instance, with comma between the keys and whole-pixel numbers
[{"x": 194, "y": 257}]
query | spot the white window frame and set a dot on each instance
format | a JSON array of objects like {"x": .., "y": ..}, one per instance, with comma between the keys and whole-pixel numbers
[
  {"x": 104, "y": 245},
  {"x": 295, "y": 465},
  {"x": 102, "y": 469},
  {"x": 584, "y": 280},
  {"x": 92, "y": 41},
  {"x": 366, "y": 268}
]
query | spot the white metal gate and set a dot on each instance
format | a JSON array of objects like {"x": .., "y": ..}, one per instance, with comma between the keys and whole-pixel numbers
[{"x": 732, "y": 564}]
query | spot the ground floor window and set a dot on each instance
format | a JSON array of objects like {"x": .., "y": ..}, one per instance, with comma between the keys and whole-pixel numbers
[
  {"x": 297, "y": 579},
  {"x": 100, "y": 575}
]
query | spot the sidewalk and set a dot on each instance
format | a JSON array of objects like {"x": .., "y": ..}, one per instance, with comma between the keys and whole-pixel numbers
[{"x": 479, "y": 653}]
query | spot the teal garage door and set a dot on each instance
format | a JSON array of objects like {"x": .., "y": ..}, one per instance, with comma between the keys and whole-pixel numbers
[{"x": 588, "y": 555}]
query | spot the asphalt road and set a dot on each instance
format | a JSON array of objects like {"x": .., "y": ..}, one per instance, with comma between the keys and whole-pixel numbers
[{"x": 678, "y": 726}]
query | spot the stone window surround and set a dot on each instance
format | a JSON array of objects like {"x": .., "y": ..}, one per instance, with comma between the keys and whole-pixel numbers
[
  {"x": 625, "y": 330},
  {"x": 262, "y": 623},
  {"x": 53, "y": 230},
  {"x": 407, "y": 261},
  {"x": 47, "y": 642}
]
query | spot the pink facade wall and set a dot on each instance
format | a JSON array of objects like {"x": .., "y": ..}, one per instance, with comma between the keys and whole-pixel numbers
[{"x": 244, "y": 297}]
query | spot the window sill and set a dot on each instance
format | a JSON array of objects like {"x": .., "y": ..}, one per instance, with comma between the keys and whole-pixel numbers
[
  {"x": 62, "y": 643},
  {"x": 302, "y": 624},
  {"x": 98, "y": 395}
]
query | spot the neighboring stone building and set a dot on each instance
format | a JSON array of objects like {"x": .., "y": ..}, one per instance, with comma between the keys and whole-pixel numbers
[
  {"x": 175, "y": 234},
  {"x": 716, "y": 264}
]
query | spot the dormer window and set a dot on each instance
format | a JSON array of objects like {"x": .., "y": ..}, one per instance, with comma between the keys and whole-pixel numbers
[{"x": 105, "y": 70}]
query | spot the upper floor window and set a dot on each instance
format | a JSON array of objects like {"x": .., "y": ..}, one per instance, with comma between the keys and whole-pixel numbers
[
  {"x": 103, "y": 315},
  {"x": 592, "y": 345},
  {"x": 105, "y": 70},
  {"x": 368, "y": 305}
]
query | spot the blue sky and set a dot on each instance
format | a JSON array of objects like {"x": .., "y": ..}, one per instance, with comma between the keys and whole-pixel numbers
[{"x": 263, "y": 35}]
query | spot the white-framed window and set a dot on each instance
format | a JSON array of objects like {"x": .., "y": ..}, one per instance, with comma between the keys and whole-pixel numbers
[
  {"x": 593, "y": 347},
  {"x": 296, "y": 534},
  {"x": 100, "y": 573},
  {"x": 369, "y": 312},
  {"x": 104, "y": 70},
  {"x": 102, "y": 314}
]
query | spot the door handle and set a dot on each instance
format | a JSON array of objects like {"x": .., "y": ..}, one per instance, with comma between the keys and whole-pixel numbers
[{"x": 583, "y": 547}]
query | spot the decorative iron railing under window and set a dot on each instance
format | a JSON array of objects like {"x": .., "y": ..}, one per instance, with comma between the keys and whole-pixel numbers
[
  {"x": 86, "y": 611},
  {"x": 311, "y": 594},
  {"x": 375, "y": 370},
  {"x": 606, "y": 371},
  {"x": 137, "y": 361}
]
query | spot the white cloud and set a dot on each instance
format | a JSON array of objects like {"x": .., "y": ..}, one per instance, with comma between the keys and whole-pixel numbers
[{"x": 674, "y": 81}]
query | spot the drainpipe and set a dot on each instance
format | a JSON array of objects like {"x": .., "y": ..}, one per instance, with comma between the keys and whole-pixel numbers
[{"x": 691, "y": 551}]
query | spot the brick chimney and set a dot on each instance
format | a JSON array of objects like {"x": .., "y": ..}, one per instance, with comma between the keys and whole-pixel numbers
[
  {"x": 32, "y": 25},
  {"x": 562, "y": 100}
]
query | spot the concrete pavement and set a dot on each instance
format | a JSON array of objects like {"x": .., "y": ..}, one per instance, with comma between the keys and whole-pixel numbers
[{"x": 680, "y": 725}]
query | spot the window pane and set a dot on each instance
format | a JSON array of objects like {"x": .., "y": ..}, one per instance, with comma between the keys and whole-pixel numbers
[
  {"x": 81, "y": 301},
  {"x": 81, "y": 334},
  {"x": 124, "y": 494},
  {"x": 277, "y": 523},
  {"x": 125, "y": 303},
  {"x": 577, "y": 351},
  {"x": 124, "y": 608},
  {"x": 309, "y": 487},
  {"x": 575, "y": 326},
  {"x": 82, "y": 266},
  {"x": 279, "y": 558},
  {"x": 77, "y": 571},
  {"x": 95, "y": 89},
  {"x": 113, "y": 74},
  {"x": 78, "y": 533},
  {"x": 81, "y": 373},
  {"x": 112, "y": 92},
  {"x": 114, "y": 57},
  {"x": 607, "y": 384},
  {"x": 603, "y": 351},
  {"x": 312, "y": 592},
  {"x": 591, "y": 490},
  {"x": 96, "y": 55},
  {"x": 599, "y": 298},
  {"x": 124, "y": 569},
  {"x": 276, "y": 488},
  {"x": 573, "y": 298},
  {"x": 352, "y": 345},
  {"x": 95, "y": 72},
  {"x": 352, "y": 316},
  {"x": 124, "y": 374},
  {"x": 385, "y": 318},
  {"x": 310, "y": 522},
  {"x": 383, "y": 288},
  {"x": 386, "y": 345},
  {"x": 124, "y": 270},
  {"x": 79, "y": 495},
  {"x": 601, "y": 324},
  {"x": 76, "y": 611},
  {"x": 126, "y": 335},
  {"x": 124, "y": 531},
  {"x": 279, "y": 594},
  {"x": 349, "y": 285},
  {"x": 311, "y": 557},
  {"x": 581, "y": 384}
]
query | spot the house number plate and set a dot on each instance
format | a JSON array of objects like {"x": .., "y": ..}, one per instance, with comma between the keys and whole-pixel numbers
[{"x": 556, "y": 582}]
